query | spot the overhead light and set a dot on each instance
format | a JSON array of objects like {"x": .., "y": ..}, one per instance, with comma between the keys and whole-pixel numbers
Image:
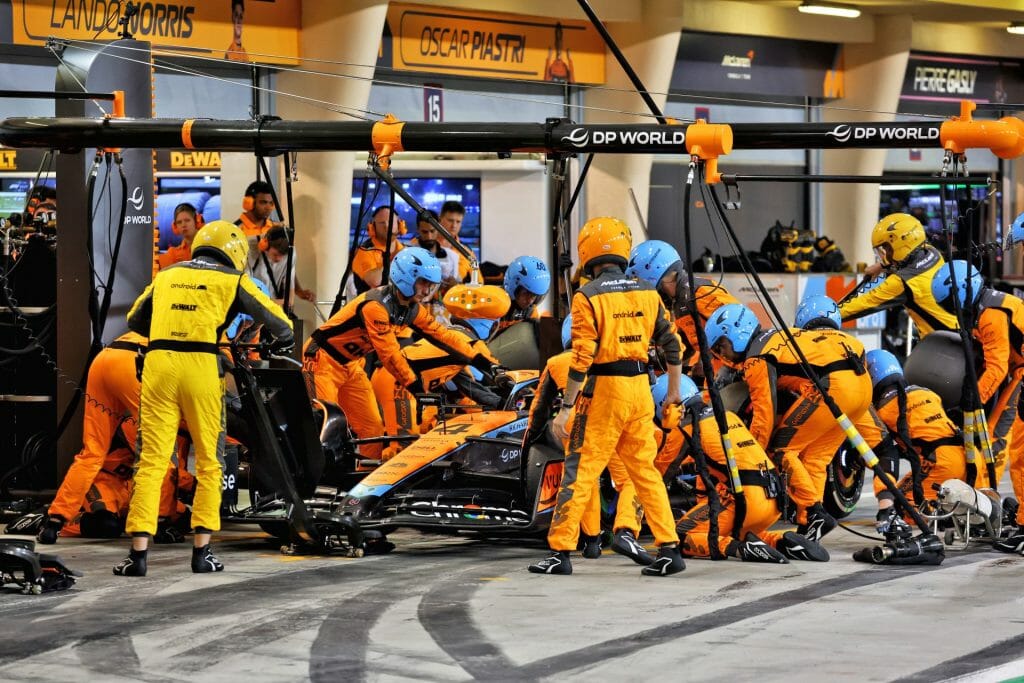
[
  {"x": 1016, "y": 28},
  {"x": 829, "y": 9}
]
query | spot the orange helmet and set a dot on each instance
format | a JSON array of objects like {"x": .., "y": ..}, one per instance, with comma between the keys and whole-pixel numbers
[
  {"x": 604, "y": 240},
  {"x": 481, "y": 301},
  {"x": 902, "y": 232}
]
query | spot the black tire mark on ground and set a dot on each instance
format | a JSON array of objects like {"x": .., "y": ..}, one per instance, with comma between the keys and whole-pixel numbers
[
  {"x": 339, "y": 651},
  {"x": 996, "y": 654},
  {"x": 627, "y": 645},
  {"x": 253, "y": 634},
  {"x": 112, "y": 654},
  {"x": 445, "y": 613},
  {"x": 150, "y": 614}
]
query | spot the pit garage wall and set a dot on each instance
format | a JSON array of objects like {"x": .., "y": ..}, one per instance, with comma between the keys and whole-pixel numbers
[{"x": 762, "y": 203}]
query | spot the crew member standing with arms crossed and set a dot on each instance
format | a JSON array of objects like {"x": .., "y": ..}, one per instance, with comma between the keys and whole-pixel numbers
[{"x": 614, "y": 320}]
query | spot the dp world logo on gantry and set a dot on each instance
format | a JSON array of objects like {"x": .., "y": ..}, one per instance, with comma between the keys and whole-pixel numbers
[
  {"x": 841, "y": 133},
  {"x": 579, "y": 137}
]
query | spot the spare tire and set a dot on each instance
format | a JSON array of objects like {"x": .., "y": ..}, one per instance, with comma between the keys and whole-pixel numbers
[{"x": 937, "y": 363}]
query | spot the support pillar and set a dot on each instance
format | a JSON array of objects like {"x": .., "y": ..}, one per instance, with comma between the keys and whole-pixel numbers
[
  {"x": 874, "y": 78},
  {"x": 322, "y": 194},
  {"x": 650, "y": 45}
]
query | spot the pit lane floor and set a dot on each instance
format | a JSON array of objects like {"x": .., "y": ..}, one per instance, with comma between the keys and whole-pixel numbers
[{"x": 456, "y": 609}]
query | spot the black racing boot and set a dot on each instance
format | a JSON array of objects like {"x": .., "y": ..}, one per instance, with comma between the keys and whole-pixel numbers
[
  {"x": 51, "y": 529},
  {"x": 668, "y": 561},
  {"x": 1010, "y": 544},
  {"x": 753, "y": 549},
  {"x": 557, "y": 563},
  {"x": 796, "y": 547},
  {"x": 133, "y": 565},
  {"x": 591, "y": 546},
  {"x": 204, "y": 561},
  {"x": 625, "y": 543},
  {"x": 819, "y": 523}
]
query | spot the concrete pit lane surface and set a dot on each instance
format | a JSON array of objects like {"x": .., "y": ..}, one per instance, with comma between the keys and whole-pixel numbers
[{"x": 459, "y": 609}]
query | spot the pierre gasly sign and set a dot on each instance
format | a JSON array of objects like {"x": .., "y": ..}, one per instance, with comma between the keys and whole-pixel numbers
[{"x": 935, "y": 84}]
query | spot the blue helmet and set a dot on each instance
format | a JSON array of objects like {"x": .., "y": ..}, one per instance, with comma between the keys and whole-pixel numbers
[
  {"x": 567, "y": 332},
  {"x": 482, "y": 326},
  {"x": 819, "y": 311},
  {"x": 412, "y": 264},
  {"x": 530, "y": 273},
  {"x": 881, "y": 365},
  {"x": 659, "y": 390},
  {"x": 688, "y": 391},
  {"x": 650, "y": 261},
  {"x": 942, "y": 285},
  {"x": 735, "y": 322},
  {"x": 1015, "y": 235}
]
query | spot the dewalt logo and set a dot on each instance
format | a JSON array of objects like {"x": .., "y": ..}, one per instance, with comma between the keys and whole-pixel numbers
[{"x": 209, "y": 160}]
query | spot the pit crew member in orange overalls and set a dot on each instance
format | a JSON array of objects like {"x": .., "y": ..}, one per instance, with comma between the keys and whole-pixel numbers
[
  {"x": 998, "y": 326},
  {"x": 614, "y": 319},
  {"x": 628, "y": 511},
  {"x": 527, "y": 281},
  {"x": 915, "y": 413},
  {"x": 437, "y": 369},
  {"x": 335, "y": 351},
  {"x": 112, "y": 401},
  {"x": 761, "y": 489},
  {"x": 805, "y": 438},
  {"x": 659, "y": 264}
]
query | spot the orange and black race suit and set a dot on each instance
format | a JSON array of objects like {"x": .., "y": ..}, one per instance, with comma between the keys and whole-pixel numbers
[
  {"x": 628, "y": 512},
  {"x": 909, "y": 285},
  {"x": 935, "y": 437},
  {"x": 614, "y": 318},
  {"x": 805, "y": 439},
  {"x": 1000, "y": 332},
  {"x": 112, "y": 401},
  {"x": 335, "y": 351},
  {"x": 435, "y": 367},
  {"x": 761, "y": 488},
  {"x": 369, "y": 256}
]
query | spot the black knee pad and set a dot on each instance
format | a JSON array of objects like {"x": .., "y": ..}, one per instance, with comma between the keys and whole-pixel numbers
[{"x": 102, "y": 524}]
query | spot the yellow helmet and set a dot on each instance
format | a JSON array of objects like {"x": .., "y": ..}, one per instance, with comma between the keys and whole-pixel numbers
[
  {"x": 604, "y": 240},
  {"x": 902, "y": 232},
  {"x": 225, "y": 238},
  {"x": 482, "y": 301}
]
